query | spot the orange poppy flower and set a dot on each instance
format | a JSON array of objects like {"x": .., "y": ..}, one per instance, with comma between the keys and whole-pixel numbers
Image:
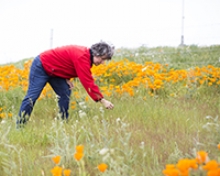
[
  {"x": 79, "y": 148},
  {"x": 56, "y": 171},
  {"x": 66, "y": 172},
  {"x": 102, "y": 167},
  {"x": 211, "y": 165},
  {"x": 201, "y": 157},
  {"x": 78, "y": 156},
  {"x": 171, "y": 172},
  {"x": 56, "y": 159}
]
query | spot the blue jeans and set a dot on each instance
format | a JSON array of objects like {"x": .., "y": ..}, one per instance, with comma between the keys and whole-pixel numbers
[{"x": 37, "y": 81}]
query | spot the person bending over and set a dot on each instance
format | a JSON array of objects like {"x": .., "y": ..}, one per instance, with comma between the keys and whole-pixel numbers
[{"x": 56, "y": 67}]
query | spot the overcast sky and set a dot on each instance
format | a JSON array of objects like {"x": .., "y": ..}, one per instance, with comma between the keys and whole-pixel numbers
[{"x": 26, "y": 25}]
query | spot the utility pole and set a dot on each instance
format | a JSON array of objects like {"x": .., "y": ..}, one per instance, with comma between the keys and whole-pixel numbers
[
  {"x": 182, "y": 35},
  {"x": 51, "y": 38}
]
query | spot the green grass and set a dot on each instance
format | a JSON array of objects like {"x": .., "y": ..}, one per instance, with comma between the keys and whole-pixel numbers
[
  {"x": 178, "y": 58},
  {"x": 142, "y": 133}
]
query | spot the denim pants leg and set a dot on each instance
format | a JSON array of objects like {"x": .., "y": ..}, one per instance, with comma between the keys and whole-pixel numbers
[
  {"x": 63, "y": 92},
  {"x": 37, "y": 80}
]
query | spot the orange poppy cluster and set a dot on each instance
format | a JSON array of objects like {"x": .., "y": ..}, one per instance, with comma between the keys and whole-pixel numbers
[
  {"x": 4, "y": 114},
  {"x": 121, "y": 77},
  {"x": 57, "y": 170},
  {"x": 152, "y": 76},
  {"x": 79, "y": 152},
  {"x": 199, "y": 165}
]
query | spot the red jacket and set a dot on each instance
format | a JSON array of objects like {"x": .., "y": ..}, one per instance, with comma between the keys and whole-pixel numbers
[{"x": 69, "y": 62}]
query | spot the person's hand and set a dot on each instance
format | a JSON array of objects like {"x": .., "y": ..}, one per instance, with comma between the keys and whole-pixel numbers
[
  {"x": 70, "y": 83},
  {"x": 107, "y": 104}
]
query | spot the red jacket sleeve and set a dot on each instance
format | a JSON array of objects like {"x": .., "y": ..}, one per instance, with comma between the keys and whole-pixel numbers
[{"x": 82, "y": 67}]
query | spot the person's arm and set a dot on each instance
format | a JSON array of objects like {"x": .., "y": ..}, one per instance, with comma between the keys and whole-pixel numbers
[{"x": 85, "y": 77}]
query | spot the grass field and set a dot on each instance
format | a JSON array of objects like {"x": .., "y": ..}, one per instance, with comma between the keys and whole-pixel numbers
[{"x": 165, "y": 120}]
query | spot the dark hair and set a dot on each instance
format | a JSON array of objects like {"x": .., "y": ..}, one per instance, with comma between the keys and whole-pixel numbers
[{"x": 103, "y": 49}]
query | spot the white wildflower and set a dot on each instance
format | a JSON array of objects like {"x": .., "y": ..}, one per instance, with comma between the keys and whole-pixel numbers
[
  {"x": 82, "y": 114},
  {"x": 3, "y": 121},
  {"x": 208, "y": 117},
  {"x": 101, "y": 109},
  {"x": 82, "y": 105},
  {"x": 118, "y": 119},
  {"x": 142, "y": 145},
  {"x": 103, "y": 151}
]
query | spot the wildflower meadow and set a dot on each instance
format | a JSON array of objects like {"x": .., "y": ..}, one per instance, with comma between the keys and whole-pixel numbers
[{"x": 165, "y": 121}]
